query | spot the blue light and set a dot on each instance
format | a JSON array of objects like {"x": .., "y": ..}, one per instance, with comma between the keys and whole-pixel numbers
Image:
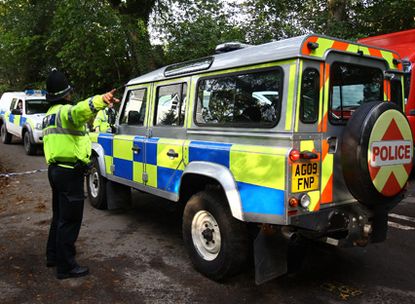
[{"x": 35, "y": 92}]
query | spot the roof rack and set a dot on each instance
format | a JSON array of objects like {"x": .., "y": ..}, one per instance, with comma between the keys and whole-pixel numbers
[{"x": 230, "y": 46}]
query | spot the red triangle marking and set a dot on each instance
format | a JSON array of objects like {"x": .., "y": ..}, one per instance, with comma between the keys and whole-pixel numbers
[
  {"x": 373, "y": 171},
  {"x": 392, "y": 186},
  {"x": 408, "y": 168},
  {"x": 393, "y": 132}
]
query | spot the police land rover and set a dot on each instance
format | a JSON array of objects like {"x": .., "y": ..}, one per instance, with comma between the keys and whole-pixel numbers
[
  {"x": 21, "y": 115},
  {"x": 299, "y": 139}
]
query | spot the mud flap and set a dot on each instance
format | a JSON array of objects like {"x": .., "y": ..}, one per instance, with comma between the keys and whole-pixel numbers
[
  {"x": 270, "y": 251},
  {"x": 118, "y": 195},
  {"x": 379, "y": 224}
]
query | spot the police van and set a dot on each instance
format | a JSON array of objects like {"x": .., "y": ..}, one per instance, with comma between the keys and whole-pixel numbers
[
  {"x": 21, "y": 115},
  {"x": 264, "y": 146}
]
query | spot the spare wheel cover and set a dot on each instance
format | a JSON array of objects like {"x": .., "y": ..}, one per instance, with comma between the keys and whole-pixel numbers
[{"x": 377, "y": 153}]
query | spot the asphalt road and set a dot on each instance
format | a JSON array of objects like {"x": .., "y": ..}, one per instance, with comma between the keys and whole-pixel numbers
[{"x": 137, "y": 255}]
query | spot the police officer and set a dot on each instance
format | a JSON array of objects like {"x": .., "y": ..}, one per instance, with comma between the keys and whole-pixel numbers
[
  {"x": 67, "y": 151},
  {"x": 104, "y": 119}
]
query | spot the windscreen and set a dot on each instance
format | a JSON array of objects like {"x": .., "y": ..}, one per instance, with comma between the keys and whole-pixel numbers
[
  {"x": 351, "y": 86},
  {"x": 36, "y": 106}
]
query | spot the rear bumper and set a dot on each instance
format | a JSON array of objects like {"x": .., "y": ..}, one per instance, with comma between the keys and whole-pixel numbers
[{"x": 347, "y": 225}]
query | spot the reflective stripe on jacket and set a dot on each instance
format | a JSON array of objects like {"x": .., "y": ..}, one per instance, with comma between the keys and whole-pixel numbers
[{"x": 64, "y": 133}]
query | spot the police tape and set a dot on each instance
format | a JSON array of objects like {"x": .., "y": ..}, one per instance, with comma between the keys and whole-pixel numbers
[{"x": 11, "y": 174}]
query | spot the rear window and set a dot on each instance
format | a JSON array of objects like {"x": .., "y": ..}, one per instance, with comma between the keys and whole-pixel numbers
[
  {"x": 248, "y": 100},
  {"x": 351, "y": 86}
]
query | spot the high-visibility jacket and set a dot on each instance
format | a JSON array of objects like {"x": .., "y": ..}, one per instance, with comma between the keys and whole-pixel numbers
[
  {"x": 65, "y": 139},
  {"x": 102, "y": 120}
]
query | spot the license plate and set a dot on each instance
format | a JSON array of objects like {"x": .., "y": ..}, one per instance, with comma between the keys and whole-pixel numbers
[{"x": 305, "y": 177}]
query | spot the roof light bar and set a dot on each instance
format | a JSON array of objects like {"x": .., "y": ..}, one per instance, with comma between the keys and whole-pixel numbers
[{"x": 35, "y": 92}]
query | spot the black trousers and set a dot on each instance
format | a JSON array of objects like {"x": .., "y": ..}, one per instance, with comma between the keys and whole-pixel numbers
[{"x": 68, "y": 206}]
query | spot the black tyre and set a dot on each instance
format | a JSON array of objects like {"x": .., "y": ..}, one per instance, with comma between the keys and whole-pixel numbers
[
  {"x": 6, "y": 137},
  {"x": 96, "y": 187},
  {"x": 377, "y": 153},
  {"x": 29, "y": 147},
  {"x": 217, "y": 243}
]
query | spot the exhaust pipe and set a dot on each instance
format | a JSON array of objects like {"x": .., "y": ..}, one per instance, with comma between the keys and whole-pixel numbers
[{"x": 288, "y": 234}]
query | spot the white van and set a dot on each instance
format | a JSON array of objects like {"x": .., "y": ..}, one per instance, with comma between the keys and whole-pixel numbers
[{"x": 21, "y": 115}]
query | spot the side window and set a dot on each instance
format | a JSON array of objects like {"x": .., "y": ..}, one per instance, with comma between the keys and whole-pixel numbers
[
  {"x": 396, "y": 92},
  {"x": 310, "y": 94},
  {"x": 134, "y": 110},
  {"x": 170, "y": 105},
  {"x": 13, "y": 104},
  {"x": 243, "y": 100}
]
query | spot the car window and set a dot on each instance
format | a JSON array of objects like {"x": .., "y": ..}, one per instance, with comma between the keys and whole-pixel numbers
[
  {"x": 134, "y": 108},
  {"x": 170, "y": 105},
  {"x": 240, "y": 100},
  {"x": 310, "y": 94},
  {"x": 36, "y": 106},
  {"x": 13, "y": 104},
  {"x": 351, "y": 86}
]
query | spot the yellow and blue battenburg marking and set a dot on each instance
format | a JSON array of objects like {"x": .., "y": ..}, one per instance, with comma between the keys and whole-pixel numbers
[
  {"x": 18, "y": 120},
  {"x": 259, "y": 172}
]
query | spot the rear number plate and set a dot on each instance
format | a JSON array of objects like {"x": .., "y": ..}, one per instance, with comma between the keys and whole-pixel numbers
[{"x": 305, "y": 177}]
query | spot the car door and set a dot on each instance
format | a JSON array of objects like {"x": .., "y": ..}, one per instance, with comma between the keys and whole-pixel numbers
[
  {"x": 164, "y": 146},
  {"x": 350, "y": 81},
  {"x": 126, "y": 158},
  {"x": 13, "y": 121}
]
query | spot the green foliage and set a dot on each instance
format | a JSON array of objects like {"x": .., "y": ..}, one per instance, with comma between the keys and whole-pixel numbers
[
  {"x": 347, "y": 19},
  {"x": 101, "y": 44},
  {"x": 88, "y": 43},
  {"x": 23, "y": 32},
  {"x": 193, "y": 29}
]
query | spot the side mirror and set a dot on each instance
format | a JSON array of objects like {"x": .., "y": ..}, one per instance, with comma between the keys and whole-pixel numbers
[{"x": 16, "y": 112}]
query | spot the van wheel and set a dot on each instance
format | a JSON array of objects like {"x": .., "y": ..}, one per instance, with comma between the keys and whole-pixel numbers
[
  {"x": 28, "y": 146},
  {"x": 217, "y": 243},
  {"x": 6, "y": 137},
  {"x": 96, "y": 187}
]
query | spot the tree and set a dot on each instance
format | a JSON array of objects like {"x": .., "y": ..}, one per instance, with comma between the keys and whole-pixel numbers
[
  {"x": 88, "y": 43},
  {"x": 24, "y": 28},
  {"x": 193, "y": 28},
  {"x": 135, "y": 17}
]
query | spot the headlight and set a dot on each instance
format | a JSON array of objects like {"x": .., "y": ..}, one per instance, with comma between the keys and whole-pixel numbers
[
  {"x": 305, "y": 201},
  {"x": 38, "y": 126}
]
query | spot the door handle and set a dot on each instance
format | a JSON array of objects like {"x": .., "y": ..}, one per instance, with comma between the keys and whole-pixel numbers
[
  {"x": 172, "y": 154},
  {"x": 136, "y": 149}
]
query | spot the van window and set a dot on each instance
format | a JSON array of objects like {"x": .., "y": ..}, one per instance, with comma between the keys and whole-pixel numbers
[
  {"x": 36, "y": 106},
  {"x": 351, "y": 86},
  {"x": 310, "y": 94},
  {"x": 13, "y": 104},
  {"x": 170, "y": 105},
  {"x": 241, "y": 100},
  {"x": 134, "y": 111}
]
